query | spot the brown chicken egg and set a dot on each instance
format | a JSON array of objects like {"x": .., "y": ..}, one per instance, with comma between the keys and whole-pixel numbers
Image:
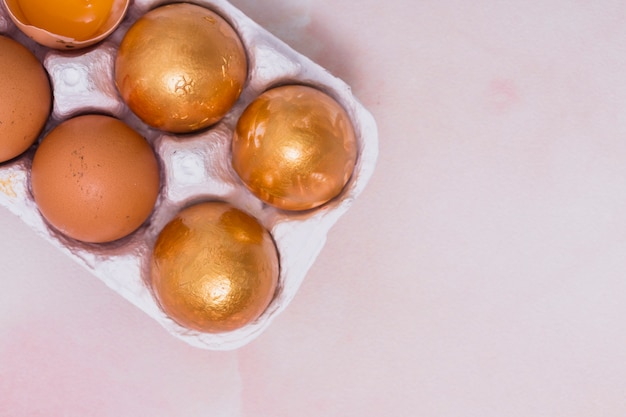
[
  {"x": 180, "y": 67},
  {"x": 294, "y": 147},
  {"x": 25, "y": 98},
  {"x": 214, "y": 268},
  {"x": 95, "y": 179}
]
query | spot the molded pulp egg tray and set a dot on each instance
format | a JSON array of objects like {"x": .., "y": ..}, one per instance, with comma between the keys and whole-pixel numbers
[{"x": 194, "y": 168}]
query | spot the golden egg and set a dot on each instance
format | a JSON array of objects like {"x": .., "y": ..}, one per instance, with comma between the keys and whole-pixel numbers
[
  {"x": 95, "y": 179},
  {"x": 67, "y": 24},
  {"x": 180, "y": 67},
  {"x": 294, "y": 147},
  {"x": 25, "y": 98},
  {"x": 214, "y": 268}
]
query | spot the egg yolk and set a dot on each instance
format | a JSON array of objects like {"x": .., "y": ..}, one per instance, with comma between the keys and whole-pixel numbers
[{"x": 77, "y": 19}]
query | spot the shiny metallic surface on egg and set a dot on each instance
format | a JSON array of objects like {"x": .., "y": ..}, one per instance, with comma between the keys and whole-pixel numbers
[
  {"x": 294, "y": 147},
  {"x": 180, "y": 68},
  {"x": 214, "y": 268}
]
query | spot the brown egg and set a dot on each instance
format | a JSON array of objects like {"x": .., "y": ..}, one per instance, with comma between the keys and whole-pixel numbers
[
  {"x": 25, "y": 98},
  {"x": 214, "y": 268},
  {"x": 95, "y": 179},
  {"x": 180, "y": 67},
  {"x": 294, "y": 147}
]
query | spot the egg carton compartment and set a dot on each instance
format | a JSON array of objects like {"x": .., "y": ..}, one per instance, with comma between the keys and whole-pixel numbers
[{"x": 194, "y": 167}]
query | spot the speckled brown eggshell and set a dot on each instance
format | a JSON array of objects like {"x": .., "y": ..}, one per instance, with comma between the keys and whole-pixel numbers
[
  {"x": 95, "y": 179},
  {"x": 25, "y": 98}
]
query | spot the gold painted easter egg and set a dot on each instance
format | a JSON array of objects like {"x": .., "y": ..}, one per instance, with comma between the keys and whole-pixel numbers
[
  {"x": 180, "y": 67},
  {"x": 294, "y": 147},
  {"x": 214, "y": 268}
]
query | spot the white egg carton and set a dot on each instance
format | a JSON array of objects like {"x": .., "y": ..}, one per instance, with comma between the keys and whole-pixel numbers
[{"x": 195, "y": 167}]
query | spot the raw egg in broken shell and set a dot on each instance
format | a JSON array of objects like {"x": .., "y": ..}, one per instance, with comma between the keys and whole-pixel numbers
[{"x": 67, "y": 24}]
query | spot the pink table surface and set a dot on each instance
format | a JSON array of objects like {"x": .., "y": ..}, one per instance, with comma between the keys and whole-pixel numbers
[{"x": 481, "y": 273}]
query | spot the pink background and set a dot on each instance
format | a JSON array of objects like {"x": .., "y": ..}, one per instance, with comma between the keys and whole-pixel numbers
[{"x": 481, "y": 273}]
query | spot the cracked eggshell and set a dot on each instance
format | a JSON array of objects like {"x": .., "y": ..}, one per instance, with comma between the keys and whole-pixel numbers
[
  {"x": 56, "y": 41},
  {"x": 195, "y": 168}
]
